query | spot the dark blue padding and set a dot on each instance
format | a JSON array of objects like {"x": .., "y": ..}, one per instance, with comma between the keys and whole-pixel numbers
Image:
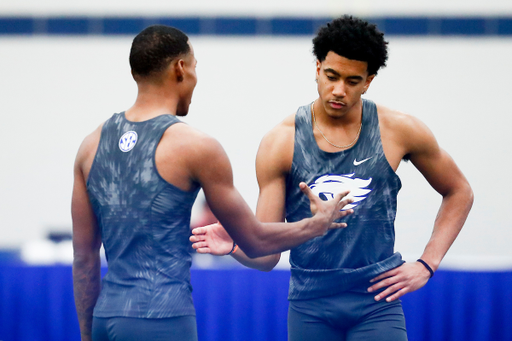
[
  {"x": 36, "y": 304},
  {"x": 250, "y": 26}
]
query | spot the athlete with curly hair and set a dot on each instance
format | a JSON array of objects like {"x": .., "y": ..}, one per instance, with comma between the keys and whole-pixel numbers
[{"x": 345, "y": 285}]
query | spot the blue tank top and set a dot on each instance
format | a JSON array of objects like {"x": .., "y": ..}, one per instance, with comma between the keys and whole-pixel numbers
[
  {"x": 144, "y": 223},
  {"x": 343, "y": 259}
]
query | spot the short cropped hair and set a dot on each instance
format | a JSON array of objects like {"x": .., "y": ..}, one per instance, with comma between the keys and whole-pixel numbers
[
  {"x": 352, "y": 38},
  {"x": 154, "y": 48}
]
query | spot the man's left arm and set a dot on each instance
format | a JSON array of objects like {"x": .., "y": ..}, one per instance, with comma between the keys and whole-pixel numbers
[{"x": 446, "y": 178}]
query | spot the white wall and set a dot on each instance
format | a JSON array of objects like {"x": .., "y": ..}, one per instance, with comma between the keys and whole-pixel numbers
[
  {"x": 261, "y": 8},
  {"x": 57, "y": 90}
]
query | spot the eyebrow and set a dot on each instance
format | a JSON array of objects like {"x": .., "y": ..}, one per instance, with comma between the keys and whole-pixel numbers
[{"x": 339, "y": 75}]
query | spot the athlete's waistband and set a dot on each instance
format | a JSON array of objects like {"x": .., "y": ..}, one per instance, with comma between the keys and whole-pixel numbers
[{"x": 314, "y": 283}]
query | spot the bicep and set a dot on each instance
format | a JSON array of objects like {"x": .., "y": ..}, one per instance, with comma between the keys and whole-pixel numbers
[
  {"x": 216, "y": 180},
  {"x": 440, "y": 170},
  {"x": 434, "y": 163},
  {"x": 271, "y": 202},
  {"x": 273, "y": 162},
  {"x": 271, "y": 199}
]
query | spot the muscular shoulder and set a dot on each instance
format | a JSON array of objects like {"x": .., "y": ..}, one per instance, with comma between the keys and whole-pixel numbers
[
  {"x": 87, "y": 150},
  {"x": 276, "y": 147},
  {"x": 188, "y": 141},
  {"x": 185, "y": 155},
  {"x": 404, "y": 132}
]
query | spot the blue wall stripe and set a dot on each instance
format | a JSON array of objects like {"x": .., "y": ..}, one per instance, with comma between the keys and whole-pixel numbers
[
  {"x": 16, "y": 26},
  {"x": 463, "y": 27},
  {"x": 189, "y": 25},
  {"x": 73, "y": 26},
  {"x": 251, "y": 26},
  {"x": 235, "y": 26},
  {"x": 123, "y": 26},
  {"x": 407, "y": 26},
  {"x": 504, "y": 26},
  {"x": 293, "y": 26}
]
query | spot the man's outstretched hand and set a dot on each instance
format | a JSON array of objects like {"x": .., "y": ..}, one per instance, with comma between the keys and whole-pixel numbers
[
  {"x": 214, "y": 239},
  {"x": 330, "y": 210}
]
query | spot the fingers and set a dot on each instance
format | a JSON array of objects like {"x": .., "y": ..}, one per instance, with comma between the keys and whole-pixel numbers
[
  {"x": 197, "y": 238},
  {"x": 344, "y": 202},
  {"x": 397, "y": 282},
  {"x": 199, "y": 245},
  {"x": 396, "y": 295},
  {"x": 203, "y": 250},
  {"x": 387, "y": 274},
  {"x": 391, "y": 284},
  {"x": 341, "y": 195},
  {"x": 199, "y": 230},
  {"x": 340, "y": 214},
  {"x": 337, "y": 226},
  {"x": 204, "y": 229},
  {"x": 391, "y": 293},
  {"x": 386, "y": 279},
  {"x": 313, "y": 197},
  {"x": 306, "y": 190}
]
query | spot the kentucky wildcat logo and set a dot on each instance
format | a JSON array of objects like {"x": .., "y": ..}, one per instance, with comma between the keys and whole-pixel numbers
[{"x": 327, "y": 186}]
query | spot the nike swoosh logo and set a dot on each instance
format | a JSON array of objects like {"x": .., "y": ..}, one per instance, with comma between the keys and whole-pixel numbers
[{"x": 357, "y": 163}]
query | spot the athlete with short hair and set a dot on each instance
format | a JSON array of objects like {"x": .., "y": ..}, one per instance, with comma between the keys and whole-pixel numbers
[
  {"x": 136, "y": 179},
  {"x": 345, "y": 285}
]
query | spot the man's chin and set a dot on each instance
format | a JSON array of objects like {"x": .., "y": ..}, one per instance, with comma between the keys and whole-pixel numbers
[{"x": 181, "y": 113}]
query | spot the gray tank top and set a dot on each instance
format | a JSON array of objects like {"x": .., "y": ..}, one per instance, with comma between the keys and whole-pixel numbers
[
  {"x": 144, "y": 223},
  {"x": 343, "y": 259}
]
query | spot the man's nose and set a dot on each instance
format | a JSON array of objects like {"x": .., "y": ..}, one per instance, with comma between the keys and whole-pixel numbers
[{"x": 339, "y": 90}]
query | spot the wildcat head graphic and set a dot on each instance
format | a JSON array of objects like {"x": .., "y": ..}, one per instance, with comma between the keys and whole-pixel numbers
[{"x": 327, "y": 186}]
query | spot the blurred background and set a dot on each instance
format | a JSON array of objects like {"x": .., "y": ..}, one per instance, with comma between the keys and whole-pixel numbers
[{"x": 64, "y": 70}]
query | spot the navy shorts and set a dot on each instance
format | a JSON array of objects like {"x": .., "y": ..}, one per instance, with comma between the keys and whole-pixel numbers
[
  {"x": 349, "y": 316},
  {"x": 181, "y": 328}
]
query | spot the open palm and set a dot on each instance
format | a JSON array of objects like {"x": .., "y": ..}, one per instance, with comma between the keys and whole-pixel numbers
[{"x": 211, "y": 239}]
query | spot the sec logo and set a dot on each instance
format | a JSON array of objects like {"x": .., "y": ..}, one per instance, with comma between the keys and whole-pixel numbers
[{"x": 128, "y": 141}]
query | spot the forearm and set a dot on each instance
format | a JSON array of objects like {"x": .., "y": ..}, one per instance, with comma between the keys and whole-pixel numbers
[
  {"x": 273, "y": 238},
  {"x": 449, "y": 221},
  {"x": 86, "y": 285},
  {"x": 266, "y": 263},
  {"x": 259, "y": 239}
]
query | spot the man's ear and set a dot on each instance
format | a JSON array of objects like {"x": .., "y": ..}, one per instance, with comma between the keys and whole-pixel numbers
[
  {"x": 368, "y": 82},
  {"x": 179, "y": 70}
]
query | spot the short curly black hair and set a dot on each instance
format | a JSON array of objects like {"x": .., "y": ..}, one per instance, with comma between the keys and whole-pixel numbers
[
  {"x": 352, "y": 38},
  {"x": 154, "y": 48}
]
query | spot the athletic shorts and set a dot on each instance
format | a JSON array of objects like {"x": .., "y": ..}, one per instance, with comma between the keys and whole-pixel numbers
[
  {"x": 181, "y": 328},
  {"x": 350, "y": 316}
]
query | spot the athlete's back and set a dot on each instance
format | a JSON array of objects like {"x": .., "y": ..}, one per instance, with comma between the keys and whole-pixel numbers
[{"x": 144, "y": 223}]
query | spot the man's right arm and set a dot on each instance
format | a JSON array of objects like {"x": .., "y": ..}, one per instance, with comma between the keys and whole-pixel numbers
[
  {"x": 273, "y": 162},
  {"x": 255, "y": 238}
]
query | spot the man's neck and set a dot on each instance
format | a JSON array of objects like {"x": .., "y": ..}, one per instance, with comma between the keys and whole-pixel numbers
[
  {"x": 351, "y": 117},
  {"x": 152, "y": 103}
]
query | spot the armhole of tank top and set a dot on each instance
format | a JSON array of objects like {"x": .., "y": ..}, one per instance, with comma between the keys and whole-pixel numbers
[
  {"x": 382, "y": 146},
  {"x": 291, "y": 170},
  {"x": 103, "y": 128},
  {"x": 175, "y": 121}
]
